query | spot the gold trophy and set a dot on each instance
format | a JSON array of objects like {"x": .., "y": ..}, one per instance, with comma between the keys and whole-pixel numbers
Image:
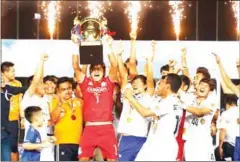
[
  {"x": 89, "y": 30},
  {"x": 88, "y": 34}
]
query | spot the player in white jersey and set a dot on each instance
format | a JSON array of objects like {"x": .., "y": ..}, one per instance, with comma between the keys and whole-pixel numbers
[
  {"x": 198, "y": 146},
  {"x": 133, "y": 127},
  {"x": 161, "y": 143},
  {"x": 34, "y": 96},
  {"x": 229, "y": 129}
]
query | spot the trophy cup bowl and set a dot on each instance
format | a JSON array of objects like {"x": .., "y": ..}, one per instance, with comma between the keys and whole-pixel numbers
[
  {"x": 86, "y": 31},
  {"x": 91, "y": 31}
]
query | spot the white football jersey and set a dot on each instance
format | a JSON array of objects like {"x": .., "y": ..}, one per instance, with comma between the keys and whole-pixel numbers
[
  {"x": 161, "y": 136},
  {"x": 170, "y": 113},
  {"x": 200, "y": 127},
  {"x": 228, "y": 121},
  {"x": 131, "y": 122}
]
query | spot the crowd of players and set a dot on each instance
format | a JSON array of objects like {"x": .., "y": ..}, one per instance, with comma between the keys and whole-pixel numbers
[{"x": 119, "y": 114}]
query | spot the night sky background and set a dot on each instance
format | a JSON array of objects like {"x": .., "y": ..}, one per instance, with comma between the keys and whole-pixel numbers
[{"x": 155, "y": 23}]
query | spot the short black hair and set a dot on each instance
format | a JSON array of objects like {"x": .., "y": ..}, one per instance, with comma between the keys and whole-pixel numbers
[
  {"x": 141, "y": 77},
  {"x": 5, "y": 66},
  {"x": 74, "y": 85},
  {"x": 186, "y": 81},
  {"x": 204, "y": 71},
  {"x": 51, "y": 78},
  {"x": 230, "y": 99},
  {"x": 206, "y": 80},
  {"x": 212, "y": 85},
  {"x": 175, "y": 82},
  {"x": 128, "y": 60},
  {"x": 103, "y": 66},
  {"x": 164, "y": 68},
  {"x": 29, "y": 111},
  {"x": 63, "y": 80}
]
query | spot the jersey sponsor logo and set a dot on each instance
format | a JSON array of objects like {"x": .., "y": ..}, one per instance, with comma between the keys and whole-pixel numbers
[
  {"x": 90, "y": 83},
  {"x": 97, "y": 89},
  {"x": 103, "y": 84}
]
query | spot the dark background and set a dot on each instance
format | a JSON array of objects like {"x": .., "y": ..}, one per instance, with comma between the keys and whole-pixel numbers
[{"x": 155, "y": 23}]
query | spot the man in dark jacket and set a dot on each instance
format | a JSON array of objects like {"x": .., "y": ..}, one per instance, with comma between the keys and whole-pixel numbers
[{"x": 6, "y": 92}]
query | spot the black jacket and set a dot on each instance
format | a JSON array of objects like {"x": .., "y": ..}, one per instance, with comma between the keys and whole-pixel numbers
[{"x": 8, "y": 91}]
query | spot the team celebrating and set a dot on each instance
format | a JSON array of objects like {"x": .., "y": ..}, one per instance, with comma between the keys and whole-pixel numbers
[{"x": 117, "y": 114}]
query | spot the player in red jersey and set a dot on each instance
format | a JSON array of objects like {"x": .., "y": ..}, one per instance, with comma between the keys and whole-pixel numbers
[
  {"x": 184, "y": 97},
  {"x": 97, "y": 93}
]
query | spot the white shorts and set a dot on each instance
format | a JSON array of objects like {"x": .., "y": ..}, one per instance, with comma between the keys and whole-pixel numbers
[
  {"x": 199, "y": 150},
  {"x": 158, "y": 151}
]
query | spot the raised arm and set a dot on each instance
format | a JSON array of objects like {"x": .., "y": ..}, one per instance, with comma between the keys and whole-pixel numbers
[
  {"x": 79, "y": 73},
  {"x": 108, "y": 40},
  {"x": 133, "y": 59},
  {"x": 122, "y": 70},
  {"x": 38, "y": 75},
  {"x": 185, "y": 70},
  {"x": 225, "y": 88},
  {"x": 150, "y": 79},
  {"x": 171, "y": 65},
  {"x": 235, "y": 89}
]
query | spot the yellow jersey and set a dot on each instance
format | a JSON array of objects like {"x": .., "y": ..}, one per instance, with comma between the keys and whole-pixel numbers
[
  {"x": 68, "y": 128},
  {"x": 15, "y": 101}
]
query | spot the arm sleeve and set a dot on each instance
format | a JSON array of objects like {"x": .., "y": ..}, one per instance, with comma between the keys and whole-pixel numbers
[
  {"x": 15, "y": 90},
  {"x": 30, "y": 136}
]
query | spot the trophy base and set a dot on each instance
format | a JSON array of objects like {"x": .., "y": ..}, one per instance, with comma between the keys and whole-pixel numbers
[{"x": 91, "y": 53}]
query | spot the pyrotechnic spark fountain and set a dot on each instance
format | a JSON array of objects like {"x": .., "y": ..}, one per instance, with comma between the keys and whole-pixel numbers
[
  {"x": 235, "y": 8},
  {"x": 96, "y": 9},
  {"x": 177, "y": 16},
  {"x": 52, "y": 14},
  {"x": 133, "y": 9}
]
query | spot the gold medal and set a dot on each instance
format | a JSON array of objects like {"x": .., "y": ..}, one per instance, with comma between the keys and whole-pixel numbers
[
  {"x": 129, "y": 120},
  {"x": 202, "y": 121}
]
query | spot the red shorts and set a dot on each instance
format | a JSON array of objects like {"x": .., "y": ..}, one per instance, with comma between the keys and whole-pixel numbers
[
  {"x": 102, "y": 136},
  {"x": 180, "y": 156}
]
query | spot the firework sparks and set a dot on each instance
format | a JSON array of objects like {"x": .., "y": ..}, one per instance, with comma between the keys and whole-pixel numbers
[
  {"x": 177, "y": 16},
  {"x": 235, "y": 7},
  {"x": 52, "y": 14},
  {"x": 95, "y": 8},
  {"x": 133, "y": 9}
]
